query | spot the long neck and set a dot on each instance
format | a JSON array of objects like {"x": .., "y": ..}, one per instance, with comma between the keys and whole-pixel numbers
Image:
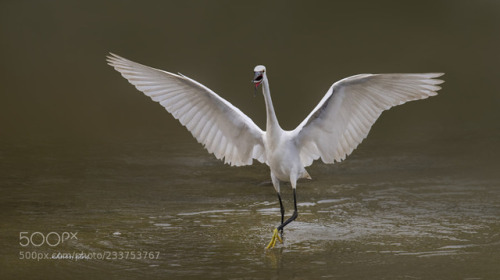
[{"x": 272, "y": 122}]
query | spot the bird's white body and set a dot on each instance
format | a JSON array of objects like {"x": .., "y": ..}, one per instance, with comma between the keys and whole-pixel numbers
[
  {"x": 340, "y": 121},
  {"x": 283, "y": 158},
  {"x": 282, "y": 153}
]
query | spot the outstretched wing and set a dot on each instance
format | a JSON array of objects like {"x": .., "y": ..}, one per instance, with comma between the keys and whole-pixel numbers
[
  {"x": 221, "y": 127},
  {"x": 351, "y": 106}
]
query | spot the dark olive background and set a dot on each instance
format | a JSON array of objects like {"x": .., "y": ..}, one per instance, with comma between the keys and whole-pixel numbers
[{"x": 81, "y": 150}]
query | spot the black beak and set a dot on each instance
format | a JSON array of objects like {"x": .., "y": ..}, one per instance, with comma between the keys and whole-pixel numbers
[{"x": 257, "y": 80}]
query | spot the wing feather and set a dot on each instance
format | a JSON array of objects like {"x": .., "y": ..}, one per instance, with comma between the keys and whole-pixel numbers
[
  {"x": 346, "y": 113},
  {"x": 222, "y": 128}
]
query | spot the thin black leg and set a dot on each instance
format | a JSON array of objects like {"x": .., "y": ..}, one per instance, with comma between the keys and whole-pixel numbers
[
  {"x": 282, "y": 209},
  {"x": 294, "y": 215},
  {"x": 282, "y": 212}
]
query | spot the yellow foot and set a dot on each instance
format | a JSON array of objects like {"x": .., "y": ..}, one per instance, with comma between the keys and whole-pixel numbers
[{"x": 275, "y": 237}]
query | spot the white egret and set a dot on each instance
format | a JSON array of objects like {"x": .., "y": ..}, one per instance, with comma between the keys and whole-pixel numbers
[{"x": 340, "y": 121}]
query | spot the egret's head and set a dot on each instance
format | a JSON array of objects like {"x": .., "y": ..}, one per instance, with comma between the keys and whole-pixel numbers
[{"x": 259, "y": 71}]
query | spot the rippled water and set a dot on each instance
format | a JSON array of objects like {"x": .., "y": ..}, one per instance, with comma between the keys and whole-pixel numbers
[
  {"x": 406, "y": 217},
  {"x": 86, "y": 157}
]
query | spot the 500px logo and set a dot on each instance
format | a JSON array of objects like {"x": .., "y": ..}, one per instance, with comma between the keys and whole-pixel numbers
[{"x": 38, "y": 239}]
